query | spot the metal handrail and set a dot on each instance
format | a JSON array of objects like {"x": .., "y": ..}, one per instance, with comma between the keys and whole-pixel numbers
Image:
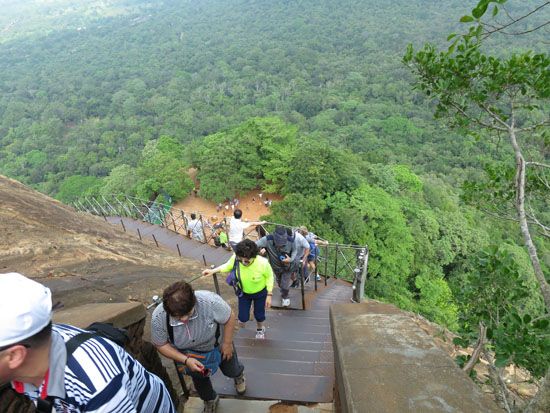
[{"x": 347, "y": 261}]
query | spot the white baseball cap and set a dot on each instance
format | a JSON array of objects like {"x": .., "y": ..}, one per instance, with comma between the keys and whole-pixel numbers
[{"x": 25, "y": 308}]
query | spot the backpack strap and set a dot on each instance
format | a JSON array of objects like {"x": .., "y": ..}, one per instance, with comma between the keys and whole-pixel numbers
[
  {"x": 75, "y": 341},
  {"x": 169, "y": 327},
  {"x": 46, "y": 405}
]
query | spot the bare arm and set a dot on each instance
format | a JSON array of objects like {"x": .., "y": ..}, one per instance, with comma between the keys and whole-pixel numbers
[
  {"x": 169, "y": 351},
  {"x": 228, "y": 331}
]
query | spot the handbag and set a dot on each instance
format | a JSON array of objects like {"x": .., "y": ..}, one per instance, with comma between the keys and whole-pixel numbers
[
  {"x": 234, "y": 279},
  {"x": 210, "y": 360}
]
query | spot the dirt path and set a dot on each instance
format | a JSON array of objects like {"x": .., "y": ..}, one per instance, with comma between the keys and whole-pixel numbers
[{"x": 251, "y": 204}]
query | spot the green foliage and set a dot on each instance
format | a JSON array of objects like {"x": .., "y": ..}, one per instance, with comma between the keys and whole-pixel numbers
[
  {"x": 516, "y": 320},
  {"x": 76, "y": 187},
  {"x": 376, "y": 219},
  {"x": 121, "y": 180},
  {"x": 436, "y": 300},
  {"x": 162, "y": 170},
  {"x": 254, "y": 154}
]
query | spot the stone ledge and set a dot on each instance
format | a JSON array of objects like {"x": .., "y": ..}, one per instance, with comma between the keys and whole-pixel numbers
[
  {"x": 119, "y": 314},
  {"x": 385, "y": 363}
]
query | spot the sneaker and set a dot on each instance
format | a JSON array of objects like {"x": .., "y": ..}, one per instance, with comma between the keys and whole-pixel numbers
[
  {"x": 240, "y": 382},
  {"x": 260, "y": 333},
  {"x": 286, "y": 302},
  {"x": 295, "y": 284},
  {"x": 306, "y": 280},
  {"x": 210, "y": 406},
  {"x": 318, "y": 277}
]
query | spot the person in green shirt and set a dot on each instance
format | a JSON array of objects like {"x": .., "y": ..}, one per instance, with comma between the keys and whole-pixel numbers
[
  {"x": 257, "y": 283},
  {"x": 223, "y": 238}
]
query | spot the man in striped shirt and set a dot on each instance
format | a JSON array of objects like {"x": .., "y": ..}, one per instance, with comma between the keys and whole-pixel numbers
[{"x": 98, "y": 376}]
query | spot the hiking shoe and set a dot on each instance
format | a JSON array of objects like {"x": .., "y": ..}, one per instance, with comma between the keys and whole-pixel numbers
[
  {"x": 260, "y": 333},
  {"x": 210, "y": 406},
  {"x": 240, "y": 382},
  {"x": 286, "y": 302}
]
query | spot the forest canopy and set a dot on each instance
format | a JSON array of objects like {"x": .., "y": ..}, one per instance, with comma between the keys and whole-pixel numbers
[{"x": 309, "y": 99}]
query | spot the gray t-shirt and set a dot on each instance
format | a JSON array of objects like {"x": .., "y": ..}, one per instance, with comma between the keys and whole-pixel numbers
[
  {"x": 198, "y": 333},
  {"x": 301, "y": 245}
]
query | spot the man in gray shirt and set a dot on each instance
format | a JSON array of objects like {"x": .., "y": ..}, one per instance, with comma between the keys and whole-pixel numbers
[
  {"x": 188, "y": 322},
  {"x": 282, "y": 251}
]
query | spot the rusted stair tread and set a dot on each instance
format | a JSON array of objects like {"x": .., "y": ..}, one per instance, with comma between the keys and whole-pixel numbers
[
  {"x": 299, "y": 345},
  {"x": 276, "y": 386},
  {"x": 306, "y": 368}
]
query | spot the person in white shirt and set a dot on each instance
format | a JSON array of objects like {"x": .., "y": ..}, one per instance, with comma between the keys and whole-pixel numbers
[{"x": 237, "y": 228}]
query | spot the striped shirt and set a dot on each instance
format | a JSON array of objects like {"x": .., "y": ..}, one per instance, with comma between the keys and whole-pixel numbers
[
  {"x": 99, "y": 377},
  {"x": 199, "y": 332}
]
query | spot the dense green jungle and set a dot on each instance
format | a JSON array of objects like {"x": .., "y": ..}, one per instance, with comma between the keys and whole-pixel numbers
[{"x": 310, "y": 99}]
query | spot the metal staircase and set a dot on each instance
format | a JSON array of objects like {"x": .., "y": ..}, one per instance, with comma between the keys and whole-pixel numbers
[{"x": 295, "y": 362}]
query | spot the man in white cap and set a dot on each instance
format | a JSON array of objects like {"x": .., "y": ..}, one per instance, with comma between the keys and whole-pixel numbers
[{"x": 95, "y": 376}]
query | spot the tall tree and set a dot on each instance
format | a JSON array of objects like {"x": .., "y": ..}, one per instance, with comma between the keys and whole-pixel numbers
[{"x": 503, "y": 95}]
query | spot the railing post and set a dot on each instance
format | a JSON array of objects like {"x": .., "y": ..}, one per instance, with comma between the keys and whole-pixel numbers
[
  {"x": 122, "y": 223},
  {"x": 184, "y": 222},
  {"x": 139, "y": 234},
  {"x": 216, "y": 285},
  {"x": 155, "y": 239},
  {"x": 178, "y": 247},
  {"x": 336, "y": 261},
  {"x": 302, "y": 275},
  {"x": 326, "y": 264}
]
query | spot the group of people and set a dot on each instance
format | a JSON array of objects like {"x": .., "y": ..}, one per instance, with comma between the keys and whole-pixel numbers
[{"x": 193, "y": 328}]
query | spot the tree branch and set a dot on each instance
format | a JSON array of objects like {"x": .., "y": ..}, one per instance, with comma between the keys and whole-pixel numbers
[
  {"x": 478, "y": 348},
  {"x": 514, "y": 21},
  {"x": 501, "y": 391},
  {"x": 479, "y": 122},
  {"x": 506, "y": 127},
  {"x": 542, "y": 165}
]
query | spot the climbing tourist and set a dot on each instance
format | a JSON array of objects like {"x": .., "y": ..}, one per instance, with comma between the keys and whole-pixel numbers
[
  {"x": 59, "y": 368},
  {"x": 281, "y": 253},
  {"x": 194, "y": 228},
  {"x": 224, "y": 241},
  {"x": 314, "y": 251},
  {"x": 187, "y": 328},
  {"x": 237, "y": 228},
  {"x": 302, "y": 247},
  {"x": 256, "y": 281}
]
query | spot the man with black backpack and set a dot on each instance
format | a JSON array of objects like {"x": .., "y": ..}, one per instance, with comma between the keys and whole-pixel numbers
[
  {"x": 282, "y": 252},
  {"x": 65, "y": 369}
]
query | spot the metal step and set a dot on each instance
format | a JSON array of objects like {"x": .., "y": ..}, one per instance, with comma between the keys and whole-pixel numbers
[
  {"x": 298, "y": 345},
  {"x": 275, "y": 386}
]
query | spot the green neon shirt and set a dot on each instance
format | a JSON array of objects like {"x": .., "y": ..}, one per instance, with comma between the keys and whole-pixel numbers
[{"x": 254, "y": 277}]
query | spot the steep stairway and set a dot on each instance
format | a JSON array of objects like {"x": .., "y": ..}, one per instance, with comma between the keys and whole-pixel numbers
[{"x": 295, "y": 362}]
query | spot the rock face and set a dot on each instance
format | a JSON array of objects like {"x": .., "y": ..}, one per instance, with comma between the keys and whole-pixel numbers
[{"x": 80, "y": 257}]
